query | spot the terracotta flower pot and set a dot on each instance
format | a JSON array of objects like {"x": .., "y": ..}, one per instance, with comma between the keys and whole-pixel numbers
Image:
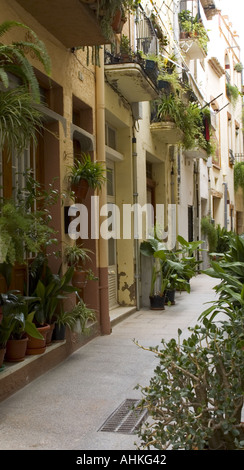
[
  {"x": 80, "y": 190},
  {"x": 50, "y": 334},
  {"x": 116, "y": 23},
  {"x": 16, "y": 350},
  {"x": 79, "y": 279},
  {"x": 38, "y": 346}
]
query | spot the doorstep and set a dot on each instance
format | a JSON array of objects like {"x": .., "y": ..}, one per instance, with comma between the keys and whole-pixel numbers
[{"x": 119, "y": 314}]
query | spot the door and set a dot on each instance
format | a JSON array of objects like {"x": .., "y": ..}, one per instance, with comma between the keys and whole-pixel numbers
[
  {"x": 190, "y": 223},
  {"x": 112, "y": 258}
]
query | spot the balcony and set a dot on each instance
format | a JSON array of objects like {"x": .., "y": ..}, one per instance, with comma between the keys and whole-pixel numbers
[
  {"x": 72, "y": 22},
  {"x": 196, "y": 152},
  {"x": 167, "y": 132},
  {"x": 191, "y": 47},
  {"x": 193, "y": 36},
  {"x": 131, "y": 77}
]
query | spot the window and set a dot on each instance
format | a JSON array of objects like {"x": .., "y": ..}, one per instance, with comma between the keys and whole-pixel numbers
[{"x": 110, "y": 136}]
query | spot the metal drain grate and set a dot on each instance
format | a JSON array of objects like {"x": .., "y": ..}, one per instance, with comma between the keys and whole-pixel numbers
[{"x": 126, "y": 418}]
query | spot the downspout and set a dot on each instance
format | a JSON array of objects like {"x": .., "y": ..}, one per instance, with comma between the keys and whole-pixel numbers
[
  {"x": 101, "y": 156},
  {"x": 136, "y": 240},
  {"x": 225, "y": 206}
]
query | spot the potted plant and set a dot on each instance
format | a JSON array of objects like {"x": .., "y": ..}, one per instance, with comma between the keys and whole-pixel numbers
[
  {"x": 193, "y": 27},
  {"x": 51, "y": 289},
  {"x": 189, "y": 257},
  {"x": 232, "y": 93},
  {"x": 85, "y": 174},
  {"x": 17, "y": 323},
  {"x": 155, "y": 249},
  {"x": 125, "y": 51},
  {"x": 78, "y": 316},
  {"x": 229, "y": 272},
  {"x": 174, "y": 270},
  {"x": 169, "y": 108},
  {"x": 238, "y": 67},
  {"x": 5, "y": 327},
  {"x": 106, "y": 11},
  {"x": 22, "y": 230},
  {"x": 76, "y": 256}
]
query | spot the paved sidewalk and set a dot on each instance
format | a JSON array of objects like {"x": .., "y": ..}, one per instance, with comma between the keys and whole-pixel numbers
[{"x": 65, "y": 408}]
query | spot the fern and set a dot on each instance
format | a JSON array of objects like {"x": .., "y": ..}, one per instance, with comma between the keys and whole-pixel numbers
[{"x": 14, "y": 60}]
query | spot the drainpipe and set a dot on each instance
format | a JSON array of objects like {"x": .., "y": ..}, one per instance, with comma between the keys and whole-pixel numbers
[
  {"x": 225, "y": 205},
  {"x": 136, "y": 240},
  {"x": 101, "y": 156}
]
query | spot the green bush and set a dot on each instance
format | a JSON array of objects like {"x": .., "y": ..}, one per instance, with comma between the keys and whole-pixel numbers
[{"x": 195, "y": 396}]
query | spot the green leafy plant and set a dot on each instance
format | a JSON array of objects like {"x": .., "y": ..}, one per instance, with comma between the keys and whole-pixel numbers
[
  {"x": 78, "y": 317},
  {"x": 224, "y": 238},
  {"x": 16, "y": 321},
  {"x": 187, "y": 117},
  {"x": 194, "y": 27},
  {"x": 19, "y": 119},
  {"x": 238, "y": 67},
  {"x": 170, "y": 108},
  {"x": 106, "y": 11},
  {"x": 229, "y": 271},
  {"x": 125, "y": 47},
  {"x": 23, "y": 230},
  {"x": 189, "y": 256},
  {"x": 13, "y": 58},
  {"x": 195, "y": 396},
  {"x": 155, "y": 249},
  {"x": 76, "y": 255},
  {"x": 91, "y": 171},
  {"x": 51, "y": 289},
  {"x": 232, "y": 93},
  {"x": 210, "y": 231},
  {"x": 239, "y": 176},
  {"x": 170, "y": 269}
]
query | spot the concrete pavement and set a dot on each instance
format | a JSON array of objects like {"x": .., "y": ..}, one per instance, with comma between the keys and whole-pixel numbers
[{"x": 65, "y": 408}]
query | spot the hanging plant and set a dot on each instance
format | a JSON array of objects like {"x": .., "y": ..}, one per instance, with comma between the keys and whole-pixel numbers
[
  {"x": 238, "y": 67},
  {"x": 239, "y": 176},
  {"x": 232, "y": 93}
]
